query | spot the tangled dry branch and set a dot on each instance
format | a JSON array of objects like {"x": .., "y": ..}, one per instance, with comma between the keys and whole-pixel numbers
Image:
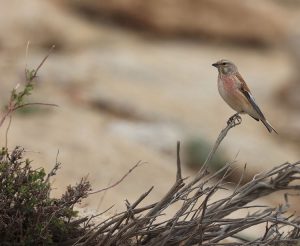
[{"x": 201, "y": 218}]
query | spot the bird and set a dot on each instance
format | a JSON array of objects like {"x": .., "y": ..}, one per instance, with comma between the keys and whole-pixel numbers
[{"x": 235, "y": 92}]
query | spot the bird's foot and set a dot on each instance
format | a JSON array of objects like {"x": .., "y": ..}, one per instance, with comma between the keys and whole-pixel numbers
[{"x": 234, "y": 120}]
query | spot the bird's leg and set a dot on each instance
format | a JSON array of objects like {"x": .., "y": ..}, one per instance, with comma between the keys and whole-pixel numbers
[{"x": 235, "y": 119}]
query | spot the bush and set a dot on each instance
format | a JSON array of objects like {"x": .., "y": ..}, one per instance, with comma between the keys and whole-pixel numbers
[{"x": 28, "y": 216}]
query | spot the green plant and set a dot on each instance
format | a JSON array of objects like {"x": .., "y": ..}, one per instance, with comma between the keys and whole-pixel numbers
[{"x": 28, "y": 215}]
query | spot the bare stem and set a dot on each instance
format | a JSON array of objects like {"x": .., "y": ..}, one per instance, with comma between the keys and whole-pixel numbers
[{"x": 233, "y": 121}]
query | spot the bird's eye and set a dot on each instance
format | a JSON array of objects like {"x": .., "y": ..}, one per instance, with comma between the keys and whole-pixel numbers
[{"x": 224, "y": 63}]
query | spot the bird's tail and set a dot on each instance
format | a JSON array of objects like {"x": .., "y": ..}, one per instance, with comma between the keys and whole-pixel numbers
[{"x": 268, "y": 126}]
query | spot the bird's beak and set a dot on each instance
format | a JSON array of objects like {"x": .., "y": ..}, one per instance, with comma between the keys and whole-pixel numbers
[{"x": 215, "y": 64}]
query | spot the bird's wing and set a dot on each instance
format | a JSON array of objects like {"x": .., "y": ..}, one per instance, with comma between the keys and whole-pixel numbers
[{"x": 246, "y": 91}]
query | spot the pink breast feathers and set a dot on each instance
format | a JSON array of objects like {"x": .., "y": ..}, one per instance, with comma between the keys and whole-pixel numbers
[{"x": 229, "y": 83}]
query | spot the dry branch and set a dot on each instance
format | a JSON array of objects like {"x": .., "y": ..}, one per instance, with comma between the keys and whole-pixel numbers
[{"x": 201, "y": 219}]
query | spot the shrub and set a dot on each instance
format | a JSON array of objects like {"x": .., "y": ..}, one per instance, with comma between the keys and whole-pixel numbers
[{"x": 28, "y": 216}]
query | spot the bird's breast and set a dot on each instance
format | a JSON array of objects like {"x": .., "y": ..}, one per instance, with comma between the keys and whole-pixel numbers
[
  {"x": 228, "y": 89},
  {"x": 227, "y": 86},
  {"x": 229, "y": 83}
]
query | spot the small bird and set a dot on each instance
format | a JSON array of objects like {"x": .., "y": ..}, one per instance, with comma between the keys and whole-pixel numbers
[{"x": 235, "y": 92}]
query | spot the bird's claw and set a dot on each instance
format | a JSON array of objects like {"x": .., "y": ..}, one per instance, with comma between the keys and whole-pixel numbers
[{"x": 235, "y": 119}]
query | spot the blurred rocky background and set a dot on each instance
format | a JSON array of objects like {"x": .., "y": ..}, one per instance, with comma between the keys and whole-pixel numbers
[{"x": 131, "y": 77}]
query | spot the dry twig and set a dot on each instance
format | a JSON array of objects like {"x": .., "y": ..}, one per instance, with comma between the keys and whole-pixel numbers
[
  {"x": 117, "y": 182},
  {"x": 200, "y": 219}
]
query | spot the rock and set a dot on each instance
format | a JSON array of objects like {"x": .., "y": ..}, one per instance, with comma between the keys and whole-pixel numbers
[
  {"x": 42, "y": 23},
  {"x": 289, "y": 93},
  {"x": 160, "y": 136},
  {"x": 231, "y": 20}
]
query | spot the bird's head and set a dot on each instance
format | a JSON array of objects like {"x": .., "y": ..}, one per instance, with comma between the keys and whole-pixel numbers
[{"x": 225, "y": 67}]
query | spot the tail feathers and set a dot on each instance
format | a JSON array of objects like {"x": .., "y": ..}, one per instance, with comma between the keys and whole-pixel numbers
[{"x": 268, "y": 126}]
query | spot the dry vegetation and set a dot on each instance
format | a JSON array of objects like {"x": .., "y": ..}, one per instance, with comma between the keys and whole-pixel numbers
[
  {"x": 28, "y": 214},
  {"x": 201, "y": 219}
]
